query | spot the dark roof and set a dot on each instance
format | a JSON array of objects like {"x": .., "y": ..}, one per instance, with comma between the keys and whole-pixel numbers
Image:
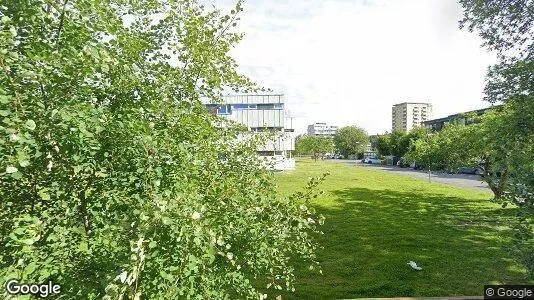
[{"x": 450, "y": 117}]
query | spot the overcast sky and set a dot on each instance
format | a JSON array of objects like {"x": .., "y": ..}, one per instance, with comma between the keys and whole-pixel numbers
[{"x": 346, "y": 62}]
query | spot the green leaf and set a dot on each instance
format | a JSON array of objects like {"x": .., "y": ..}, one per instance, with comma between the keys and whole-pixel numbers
[
  {"x": 163, "y": 274},
  {"x": 44, "y": 194},
  {"x": 4, "y": 113},
  {"x": 11, "y": 169},
  {"x": 16, "y": 175},
  {"x": 30, "y": 268},
  {"x": 24, "y": 163},
  {"x": 13, "y": 31},
  {"x": 152, "y": 244},
  {"x": 30, "y": 124},
  {"x": 5, "y": 19},
  {"x": 83, "y": 246},
  {"x": 4, "y": 99}
]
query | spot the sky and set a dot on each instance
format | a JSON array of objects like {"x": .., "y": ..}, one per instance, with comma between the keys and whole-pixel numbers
[{"x": 346, "y": 62}]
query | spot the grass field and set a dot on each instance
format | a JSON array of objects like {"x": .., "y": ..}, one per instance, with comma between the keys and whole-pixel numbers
[{"x": 377, "y": 221}]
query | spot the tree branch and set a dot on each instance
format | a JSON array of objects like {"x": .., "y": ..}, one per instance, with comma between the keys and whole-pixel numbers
[{"x": 61, "y": 21}]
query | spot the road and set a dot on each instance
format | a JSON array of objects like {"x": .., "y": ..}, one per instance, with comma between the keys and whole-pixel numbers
[{"x": 459, "y": 180}]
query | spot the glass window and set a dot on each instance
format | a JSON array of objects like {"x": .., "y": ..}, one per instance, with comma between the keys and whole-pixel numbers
[
  {"x": 270, "y": 106},
  {"x": 224, "y": 110},
  {"x": 239, "y": 106},
  {"x": 265, "y": 106}
]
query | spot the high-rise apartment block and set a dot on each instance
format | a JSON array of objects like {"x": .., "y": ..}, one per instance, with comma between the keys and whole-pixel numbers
[{"x": 408, "y": 115}]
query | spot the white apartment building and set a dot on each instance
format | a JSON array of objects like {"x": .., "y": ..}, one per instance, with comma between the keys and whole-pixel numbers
[
  {"x": 408, "y": 115},
  {"x": 262, "y": 113},
  {"x": 322, "y": 129}
]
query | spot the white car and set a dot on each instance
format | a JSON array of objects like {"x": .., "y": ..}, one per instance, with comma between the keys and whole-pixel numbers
[{"x": 371, "y": 160}]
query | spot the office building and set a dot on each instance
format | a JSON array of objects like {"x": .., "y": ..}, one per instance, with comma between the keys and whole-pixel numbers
[
  {"x": 322, "y": 129},
  {"x": 408, "y": 115},
  {"x": 262, "y": 113}
]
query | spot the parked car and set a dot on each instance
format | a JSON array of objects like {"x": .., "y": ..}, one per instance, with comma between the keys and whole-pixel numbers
[
  {"x": 329, "y": 156},
  {"x": 402, "y": 163},
  {"x": 418, "y": 167},
  {"x": 478, "y": 170},
  {"x": 371, "y": 160}
]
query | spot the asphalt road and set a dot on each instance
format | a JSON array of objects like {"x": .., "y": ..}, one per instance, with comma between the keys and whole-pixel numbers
[{"x": 459, "y": 180}]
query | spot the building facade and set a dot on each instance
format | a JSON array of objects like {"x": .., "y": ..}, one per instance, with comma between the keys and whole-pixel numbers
[
  {"x": 408, "y": 115},
  {"x": 322, "y": 129},
  {"x": 461, "y": 118},
  {"x": 262, "y": 113}
]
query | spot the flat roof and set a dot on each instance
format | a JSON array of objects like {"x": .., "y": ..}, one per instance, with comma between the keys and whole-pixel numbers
[
  {"x": 481, "y": 110},
  {"x": 426, "y": 103}
]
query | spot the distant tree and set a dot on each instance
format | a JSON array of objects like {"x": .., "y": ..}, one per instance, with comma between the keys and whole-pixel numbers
[
  {"x": 415, "y": 135},
  {"x": 316, "y": 146},
  {"x": 426, "y": 152},
  {"x": 383, "y": 144},
  {"x": 459, "y": 145},
  {"x": 399, "y": 142},
  {"x": 351, "y": 140}
]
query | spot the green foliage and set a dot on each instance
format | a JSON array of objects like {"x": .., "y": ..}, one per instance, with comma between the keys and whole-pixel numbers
[
  {"x": 459, "y": 145},
  {"x": 383, "y": 144},
  {"x": 111, "y": 177},
  {"x": 313, "y": 145},
  {"x": 506, "y": 162},
  {"x": 427, "y": 152},
  {"x": 351, "y": 140},
  {"x": 504, "y": 26},
  {"x": 507, "y": 27},
  {"x": 399, "y": 142}
]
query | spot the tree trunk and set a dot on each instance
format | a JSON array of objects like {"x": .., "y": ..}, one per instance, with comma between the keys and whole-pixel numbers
[{"x": 496, "y": 188}]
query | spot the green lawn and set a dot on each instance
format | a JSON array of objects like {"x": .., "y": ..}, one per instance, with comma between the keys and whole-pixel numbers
[{"x": 377, "y": 221}]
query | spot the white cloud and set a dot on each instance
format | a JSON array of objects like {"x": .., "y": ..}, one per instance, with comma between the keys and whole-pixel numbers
[{"x": 346, "y": 62}]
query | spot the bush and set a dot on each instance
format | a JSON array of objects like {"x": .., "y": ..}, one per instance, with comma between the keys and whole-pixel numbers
[{"x": 116, "y": 182}]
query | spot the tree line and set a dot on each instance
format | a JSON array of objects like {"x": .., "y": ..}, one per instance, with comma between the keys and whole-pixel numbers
[{"x": 350, "y": 140}]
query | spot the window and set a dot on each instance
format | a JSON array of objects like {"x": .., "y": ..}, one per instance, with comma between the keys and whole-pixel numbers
[
  {"x": 239, "y": 106},
  {"x": 244, "y": 106},
  {"x": 212, "y": 108},
  {"x": 270, "y": 106},
  {"x": 224, "y": 110},
  {"x": 266, "y": 129}
]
